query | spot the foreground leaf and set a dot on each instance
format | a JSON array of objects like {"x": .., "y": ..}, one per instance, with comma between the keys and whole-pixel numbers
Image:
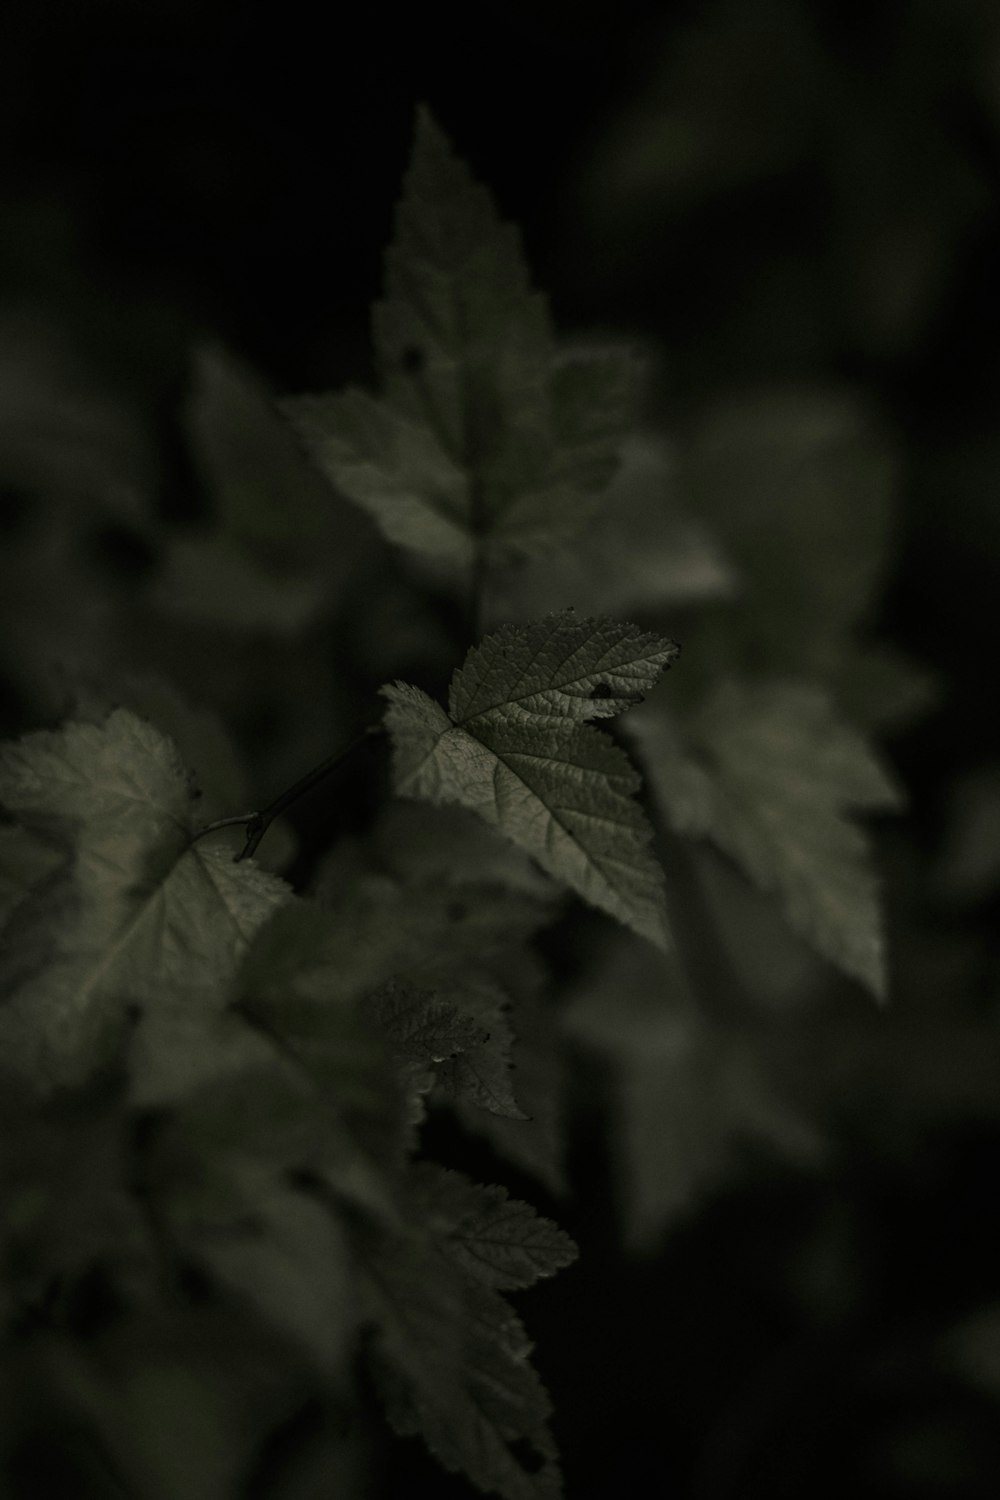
[
  {"x": 773, "y": 776},
  {"x": 512, "y": 752}
]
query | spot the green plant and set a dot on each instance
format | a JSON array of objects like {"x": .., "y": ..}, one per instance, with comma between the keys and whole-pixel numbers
[{"x": 216, "y": 1077}]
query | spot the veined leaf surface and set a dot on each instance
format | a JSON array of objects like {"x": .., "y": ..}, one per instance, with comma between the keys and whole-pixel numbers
[{"x": 513, "y": 749}]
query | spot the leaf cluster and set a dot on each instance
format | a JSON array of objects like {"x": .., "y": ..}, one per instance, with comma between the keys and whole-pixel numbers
[{"x": 221, "y": 1076}]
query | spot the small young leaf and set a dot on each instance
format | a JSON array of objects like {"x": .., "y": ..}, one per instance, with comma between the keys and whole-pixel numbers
[
  {"x": 771, "y": 773},
  {"x": 499, "y": 1241},
  {"x": 481, "y": 1075},
  {"x": 511, "y": 752},
  {"x": 421, "y": 1026}
]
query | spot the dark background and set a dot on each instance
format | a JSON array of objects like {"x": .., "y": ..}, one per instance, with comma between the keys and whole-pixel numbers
[{"x": 783, "y": 190}]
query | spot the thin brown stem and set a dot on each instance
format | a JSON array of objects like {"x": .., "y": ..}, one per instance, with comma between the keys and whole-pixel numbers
[{"x": 257, "y": 823}]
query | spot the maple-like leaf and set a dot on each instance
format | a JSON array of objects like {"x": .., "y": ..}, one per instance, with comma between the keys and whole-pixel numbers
[
  {"x": 383, "y": 939},
  {"x": 773, "y": 775},
  {"x": 486, "y": 439},
  {"x": 497, "y": 1240},
  {"x": 513, "y": 750},
  {"x": 451, "y": 1363},
  {"x": 137, "y": 916}
]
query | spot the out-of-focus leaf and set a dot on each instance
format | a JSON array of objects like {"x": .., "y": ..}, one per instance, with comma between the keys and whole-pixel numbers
[
  {"x": 451, "y": 1364},
  {"x": 139, "y": 915},
  {"x": 497, "y": 1240},
  {"x": 687, "y": 1095},
  {"x": 773, "y": 775},
  {"x": 642, "y": 550},
  {"x": 486, "y": 440}
]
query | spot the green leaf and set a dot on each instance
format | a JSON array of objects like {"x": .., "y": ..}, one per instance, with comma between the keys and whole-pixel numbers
[
  {"x": 421, "y": 1025},
  {"x": 537, "y": 1144},
  {"x": 773, "y": 775},
  {"x": 512, "y": 753},
  {"x": 138, "y": 916},
  {"x": 497, "y": 1432},
  {"x": 424, "y": 1032},
  {"x": 451, "y": 1362},
  {"x": 497, "y": 1240},
  {"x": 482, "y": 1074},
  {"x": 558, "y": 668},
  {"x": 485, "y": 438}
]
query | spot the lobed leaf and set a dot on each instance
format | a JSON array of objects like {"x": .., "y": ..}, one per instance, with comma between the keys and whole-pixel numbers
[
  {"x": 137, "y": 915},
  {"x": 451, "y": 1363},
  {"x": 773, "y": 775},
  {"x": 512, "y": 753},
  {"x": 485, "y": 439},
  {"x": 497, "y": 1240}
]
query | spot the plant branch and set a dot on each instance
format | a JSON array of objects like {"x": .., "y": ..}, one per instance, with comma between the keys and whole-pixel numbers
[{"x": 257, "y": 823}]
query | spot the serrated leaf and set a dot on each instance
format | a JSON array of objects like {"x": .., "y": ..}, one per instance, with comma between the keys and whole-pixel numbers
[
  {"x": 449, "y": 941},
  {"x": 558, "y": 668},
  {"x": 481, "y": 1074},
  {"x": 773, "y": 775},
  {"x": 485, "y": 440},
  {"x": 451, "y": 1364},
  {"x": 391, "y": 466},
  {"x": 422, "y": 1025},
  {"x": 139, "y": 913},
  {"x": 536, "y": 1145},
  {"x": 427, "y": 1034},
  {"x": 497, "y": 1432},
  {"x": 500, "y": 1241},
  {"x": 560, "y": 790}
]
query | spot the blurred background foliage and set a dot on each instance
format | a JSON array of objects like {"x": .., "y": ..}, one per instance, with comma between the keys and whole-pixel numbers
[{"x": 793, "y": 206}]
